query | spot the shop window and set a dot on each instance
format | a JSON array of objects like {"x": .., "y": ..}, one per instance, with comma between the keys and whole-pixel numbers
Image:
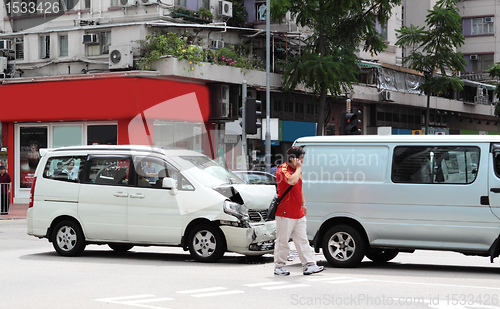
[
  {"x": 67, "y": 135},
  {"x": 31, "y": 140},
  {"x": 102, "y": 135}
]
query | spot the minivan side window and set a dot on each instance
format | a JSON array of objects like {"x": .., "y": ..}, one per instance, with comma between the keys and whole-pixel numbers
[
  {"x": 109, "y": 170},
  {"x": 67, "y": 168},
  {"x": 435, "y": 164},
  {"x": 150, "y": 172}
]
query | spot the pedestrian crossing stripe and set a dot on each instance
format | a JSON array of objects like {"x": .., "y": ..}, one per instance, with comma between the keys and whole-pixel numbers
[{"x": 136, "y": 300}]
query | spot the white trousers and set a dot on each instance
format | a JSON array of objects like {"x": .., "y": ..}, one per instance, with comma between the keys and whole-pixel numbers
[{"x": 296, "y": 229}]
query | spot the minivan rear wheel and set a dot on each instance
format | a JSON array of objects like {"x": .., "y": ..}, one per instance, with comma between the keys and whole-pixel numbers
[
  {"x": 207, "y": 243},
  {"x": 68, "y": 239},
  {"x": 382, "y": 256},
  {"x": 343, "y": 246}
]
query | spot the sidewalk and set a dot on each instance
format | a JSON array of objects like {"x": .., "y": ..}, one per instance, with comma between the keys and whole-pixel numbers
[{"x": 16, "y": 211}]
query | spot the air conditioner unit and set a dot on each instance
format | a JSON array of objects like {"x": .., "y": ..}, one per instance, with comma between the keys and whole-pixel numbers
[
  {"x": 121, "y": 57},
  {"x": 225, "y": 9},
  {"x": 5, "y": 45},
  {"x": 386, "y": 95},
  {"x": 126, "y": 3},
  {"x": 474, "y": 57},
  {"x": 217, "y": 44},
  {"x": 489, "y": 19},
  {"x": 91, "y": 38},
  {"x": 481, "y": 92},
  {"x": 147, "y": 2}
]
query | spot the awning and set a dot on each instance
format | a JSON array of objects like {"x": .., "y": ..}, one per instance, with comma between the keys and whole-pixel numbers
[{"x": 478, "y": 84}]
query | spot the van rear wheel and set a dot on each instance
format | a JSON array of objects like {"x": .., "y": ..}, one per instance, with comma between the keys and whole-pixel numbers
[
  {"x": 343, "y": 246},
  {"x": 207, "y": 243},
  {"x": 382, "y": 256},
  {"x": 68, "y": 239}
]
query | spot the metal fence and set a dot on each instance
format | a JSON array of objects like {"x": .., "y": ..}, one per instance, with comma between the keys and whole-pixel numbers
[{"x": 5, "y": 198}]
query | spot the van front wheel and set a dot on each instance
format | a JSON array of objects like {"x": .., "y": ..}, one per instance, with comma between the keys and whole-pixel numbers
[
  {"x": 343, "y": 246},
  {"x": 68, "y": 239},
  {"x": 206, "y": 243}
]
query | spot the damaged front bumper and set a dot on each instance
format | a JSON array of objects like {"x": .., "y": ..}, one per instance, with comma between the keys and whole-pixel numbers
[{"x": 257, "y": 239}]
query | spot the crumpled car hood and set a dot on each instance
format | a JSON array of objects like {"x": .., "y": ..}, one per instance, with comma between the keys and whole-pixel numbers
[{"x": 256, "y": 197}]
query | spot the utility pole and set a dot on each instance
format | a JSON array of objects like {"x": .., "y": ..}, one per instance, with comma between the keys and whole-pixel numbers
[
  {"x": 243, "y": 123},
  {"x": 268, "y": 92}
]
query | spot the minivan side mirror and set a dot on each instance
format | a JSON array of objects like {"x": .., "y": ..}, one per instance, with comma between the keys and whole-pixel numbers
[{"x": 170, "y": 183}]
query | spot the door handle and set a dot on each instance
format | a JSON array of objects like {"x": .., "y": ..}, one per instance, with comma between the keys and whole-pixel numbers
[
  {"x": 495, "y": 190},
  {"x": 138, "y": 195},
  {"x": 120, "y": 194}
]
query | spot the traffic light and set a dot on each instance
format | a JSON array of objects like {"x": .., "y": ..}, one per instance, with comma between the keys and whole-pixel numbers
[
  {"x": 350, "y": 122},
  {"x": 252, "y": 114}
]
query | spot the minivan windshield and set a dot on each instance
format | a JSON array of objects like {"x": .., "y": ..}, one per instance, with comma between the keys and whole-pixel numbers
[{"x": 207, "y": 171}]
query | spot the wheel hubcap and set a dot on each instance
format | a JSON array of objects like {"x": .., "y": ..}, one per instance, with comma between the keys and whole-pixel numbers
[
  {"x": 341, "y": 246},
  {"x": 66, "y": 238},
  {"x": 204, "y": 243}
]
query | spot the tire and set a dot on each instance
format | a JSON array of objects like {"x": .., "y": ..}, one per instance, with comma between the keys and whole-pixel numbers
[
  {"x": 206, "y": 243},
  {"x": 382, "y": 256},
  {"x": 343, "y": 246},
  {"x": 68, "y": 239},
  {"x": 120, "y": 247}
]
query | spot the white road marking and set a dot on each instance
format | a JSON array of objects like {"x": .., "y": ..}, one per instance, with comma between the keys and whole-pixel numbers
[
  {"x": 265, "y": 283},
  {"x": 136, "y": 300},
  {"x": 201, "y": 290},
  {"x": 287, "y": 286},
  {"x": 218, "y": 293}
]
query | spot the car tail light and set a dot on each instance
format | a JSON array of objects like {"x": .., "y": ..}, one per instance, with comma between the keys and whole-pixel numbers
[{"x": 32, "y": 191}]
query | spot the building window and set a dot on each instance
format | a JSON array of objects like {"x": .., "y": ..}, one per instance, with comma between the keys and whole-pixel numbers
[
  {"x": 44, "y": 47},
  {"x": 381, "y": 29},
  {"x": 483, "y": 25},
  {"x": 105, "y": 42},
  {"x": 180, "y": 3},
  {"x": 63, "y": 45},
  {"x": 481, "y": 63},
  {"x": 68, "y": 5},
  {"x": 114, "y": 3},
  {"x": 87, "y": 4},
  {"x": 260, "y": 11},
  {"x": 19, "y": 48}
]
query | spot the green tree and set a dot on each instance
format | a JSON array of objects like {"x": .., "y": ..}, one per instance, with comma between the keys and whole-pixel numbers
[
  {"x": 433, "y": 50},
  {"x": 495, "y": 73},
  {"x": 327, "y": 64}
]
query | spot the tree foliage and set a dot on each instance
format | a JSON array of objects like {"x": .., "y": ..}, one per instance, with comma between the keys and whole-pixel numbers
[
  {"x": 327, "y": 62},
  {"x": 433, "y": 50}
]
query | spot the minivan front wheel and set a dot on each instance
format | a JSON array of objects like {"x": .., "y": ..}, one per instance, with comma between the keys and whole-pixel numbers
[
  {"x": 206, "y": 243},
  {"x": 68, "y": 239},
  {"x": 343, "y": 246}
]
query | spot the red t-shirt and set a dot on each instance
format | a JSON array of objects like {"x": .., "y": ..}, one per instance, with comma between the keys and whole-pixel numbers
[{"x": 291, "y": 205}]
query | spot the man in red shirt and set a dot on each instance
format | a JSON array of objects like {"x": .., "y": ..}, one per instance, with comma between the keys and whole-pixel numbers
[{"x": 290, "y": 216}]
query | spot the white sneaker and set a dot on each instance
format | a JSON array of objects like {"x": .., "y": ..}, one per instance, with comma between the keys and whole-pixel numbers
[
  {"x": 281, "y": 271},
  {"x": 313, "y": 269}
]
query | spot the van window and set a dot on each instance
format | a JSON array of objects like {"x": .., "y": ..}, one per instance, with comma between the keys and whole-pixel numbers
[
  {"x": 435, "y": 164},
  {"x": 151, "y": 171},
  {"x": 67, "y": 168},
  {"x": 109, "y": 170}
]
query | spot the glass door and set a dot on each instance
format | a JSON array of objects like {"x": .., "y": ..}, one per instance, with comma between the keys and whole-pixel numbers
[{"x": 30, "y": 139}]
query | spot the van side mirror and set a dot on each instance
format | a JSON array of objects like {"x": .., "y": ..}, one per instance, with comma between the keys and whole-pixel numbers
[{"x": 170, "y": 183}]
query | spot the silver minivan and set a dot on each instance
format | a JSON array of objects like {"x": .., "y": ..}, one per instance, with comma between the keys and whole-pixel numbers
[
  {"x": 376, "y": 196},
  {"x": 126, "y": 196}
]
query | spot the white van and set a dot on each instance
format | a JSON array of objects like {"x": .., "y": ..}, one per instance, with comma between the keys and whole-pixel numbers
[
  {"x": 126, "y": 196},
  {"x": 375, "y": 196}
]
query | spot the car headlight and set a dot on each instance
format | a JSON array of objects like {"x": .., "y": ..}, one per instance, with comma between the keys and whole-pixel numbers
[{"x": 237, "y": 210}]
